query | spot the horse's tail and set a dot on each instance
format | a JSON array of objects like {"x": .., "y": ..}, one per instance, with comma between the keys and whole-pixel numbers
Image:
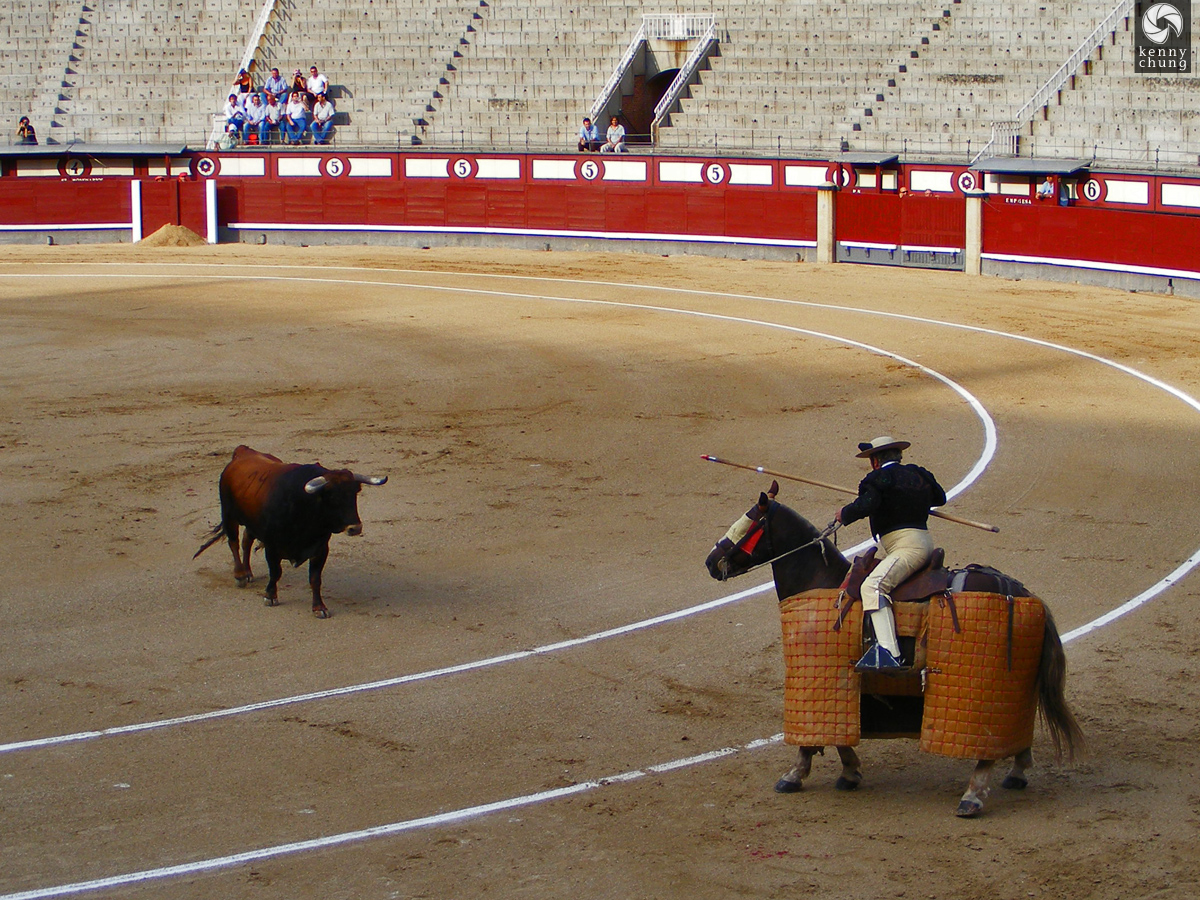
[
  {"x": 1064, "y": 730},
  {"x": 219, "y": 531}
]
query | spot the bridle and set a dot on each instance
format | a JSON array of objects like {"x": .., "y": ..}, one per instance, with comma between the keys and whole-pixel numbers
[{"x": 763, "y": 533}]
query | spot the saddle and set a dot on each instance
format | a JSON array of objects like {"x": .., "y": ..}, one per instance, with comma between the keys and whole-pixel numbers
[{"x": 934, "y": 578}]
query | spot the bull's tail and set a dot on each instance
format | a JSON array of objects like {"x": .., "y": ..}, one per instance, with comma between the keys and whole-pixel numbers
[
  {"x": 215, "y": 535},
  {"x": 1064, "y": 730}
]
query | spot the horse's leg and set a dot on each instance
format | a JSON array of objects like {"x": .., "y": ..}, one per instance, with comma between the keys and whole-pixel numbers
[
  {"x": 793, "y": 781},
  {"x": 977, "y": 790},
  {"x": 851, "y": 776},
  {"x": 1016, "y": 780}
]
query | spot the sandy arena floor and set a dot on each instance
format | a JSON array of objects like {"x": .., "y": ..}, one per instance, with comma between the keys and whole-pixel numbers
[{"x": 545, "y": 484}]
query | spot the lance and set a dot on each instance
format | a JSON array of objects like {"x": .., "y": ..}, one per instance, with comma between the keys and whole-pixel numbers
[{"x": 837, "y": 487}]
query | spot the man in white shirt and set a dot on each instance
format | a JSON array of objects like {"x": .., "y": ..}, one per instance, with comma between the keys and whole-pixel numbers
[
  {"x": 255, "y": 114},
  {"x": 323, "y": 114},
  {"x": 272, "y": 119},
  {"x": 296, "y": 117},
  {"x": 235, "y": 115},
  {"x": 317, "y": 83}
]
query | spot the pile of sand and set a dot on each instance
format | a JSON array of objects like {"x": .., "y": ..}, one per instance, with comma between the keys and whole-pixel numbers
[{"x": 172, "y": 236}]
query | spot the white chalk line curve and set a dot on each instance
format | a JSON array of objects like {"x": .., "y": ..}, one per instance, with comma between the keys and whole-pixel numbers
[
  {"x": 469, "y": 812},
  {"x": 989, "y": 451},
  {"x": 377, "y": 831}
]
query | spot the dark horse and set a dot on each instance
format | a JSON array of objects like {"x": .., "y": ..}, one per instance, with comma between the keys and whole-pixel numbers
[{"x": 768, "y": 531}]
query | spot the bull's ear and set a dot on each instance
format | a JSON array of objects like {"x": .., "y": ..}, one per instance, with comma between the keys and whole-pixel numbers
[
  {"x": 315, "y": 484},
  {"x": 773, "y": 490}
]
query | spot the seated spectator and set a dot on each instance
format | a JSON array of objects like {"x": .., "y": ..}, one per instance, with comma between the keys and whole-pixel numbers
[
  {"x": 276, "y": 85},
  {"x": 295, "y": 116},
  {"x": 256, "y": 115},
  {"x": 323, "y": 113},
  {"x": 589, "y": 137},
  {"x": 243, "y": 84},
  {"x": 317, "y": 83},
  {"x": 615, "y": 142},
  {"x": 272, "y": 119},
  {"x": 25, "y": 132},
  {"x": 1045, "y": 190},
  {"x": 235, "y": 115},
  {"x": 299, "y": 85}
]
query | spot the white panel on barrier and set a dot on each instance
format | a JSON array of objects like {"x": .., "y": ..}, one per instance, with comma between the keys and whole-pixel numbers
[
  {"x": 113, "y": 168},
  {"x": 250, "y": 166},
  {"x": 805, "y": 176},
  {"x": 1010, "y": 185},
  {"x": 37, "y": 168},
  {"x": 1181, "y": 195},
  {"x": 687, "y": 172},
  {"x": 424, "y": 167},
  {"x": 939, "y": 182},
  {"x": 370, "y": 167},
  {"x": 740, "y": 173},
  {"x": 1126, "y": 191},
  {"x": 498, "y": 168},
  {"x": 563, "y": 169},
  {"x": 292, "y": 167},
  {"x": 620, "y": 170},
  {"x": 178, "y": 165},
  {"x": 868, "y": 180}
]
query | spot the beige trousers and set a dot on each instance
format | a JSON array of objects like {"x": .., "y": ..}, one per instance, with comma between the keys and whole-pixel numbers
[{"x": 904, "y": 552}]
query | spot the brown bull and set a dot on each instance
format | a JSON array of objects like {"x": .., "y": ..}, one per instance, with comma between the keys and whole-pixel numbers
[{"x": 292, "y": 509}]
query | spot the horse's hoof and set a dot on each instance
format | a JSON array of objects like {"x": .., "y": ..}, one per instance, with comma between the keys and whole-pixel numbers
[
  {"x": 244, "y": 580},
  {"x": 783, "y": 786},
  {"x": 271, "y": 601},
  {"x": 848, "y": 784},
  {"x": 968, "y": 809},
  {"x": 1014, "y": 783},
  {"x": 320, "y": 612}
]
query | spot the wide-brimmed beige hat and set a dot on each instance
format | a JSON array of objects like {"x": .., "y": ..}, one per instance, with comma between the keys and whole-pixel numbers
[{"x": 878, "y": 445}]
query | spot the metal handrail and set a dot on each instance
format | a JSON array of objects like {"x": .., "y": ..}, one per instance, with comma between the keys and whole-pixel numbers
[
  {"x": 676, "y": 26},
  {"x": 1060, "y": 77},
  {"x": 614, "y": 80},
  {"x": 256, "y": 36},
  {"x": 684, "y": 75}
]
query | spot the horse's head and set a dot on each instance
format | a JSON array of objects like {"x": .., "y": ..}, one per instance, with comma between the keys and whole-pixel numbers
[
  {"x": 771, "y": 532},
  {"x": 743, "y": 546}
]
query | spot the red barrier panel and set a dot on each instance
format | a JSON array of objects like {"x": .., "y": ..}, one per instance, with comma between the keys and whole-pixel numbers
[
  {"x": 54, "y": 202},
  {"x": 1064, "y": 235}
]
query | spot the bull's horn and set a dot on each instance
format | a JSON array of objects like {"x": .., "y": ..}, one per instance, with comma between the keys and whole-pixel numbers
[
  {"x": 371, "y": 479},
  {"x": 316, "y": 484}
]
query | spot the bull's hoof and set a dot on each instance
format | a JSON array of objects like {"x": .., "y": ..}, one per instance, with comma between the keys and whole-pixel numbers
[
  {"x": 320, "y": 612},
  {"x": 271, "y": 601},
  {"x": 848, "y": 784},
  {"x": 1014, "y": 783},
  {"x": 783, "y": 786},
  {"x": 968, "y": 809}
]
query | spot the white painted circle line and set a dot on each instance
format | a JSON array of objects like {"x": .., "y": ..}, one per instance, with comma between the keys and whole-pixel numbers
[
  {"x": 351, "y": 837},
  {"x": 989, "y": 451}
]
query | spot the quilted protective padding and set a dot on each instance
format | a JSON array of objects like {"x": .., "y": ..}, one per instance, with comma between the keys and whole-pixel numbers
[
  {"x": 975, "y": 706},
  {"x": 821, "y": 688}
]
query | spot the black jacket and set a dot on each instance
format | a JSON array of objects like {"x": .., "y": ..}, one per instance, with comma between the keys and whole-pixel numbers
[{"x": 898, "y": 495}]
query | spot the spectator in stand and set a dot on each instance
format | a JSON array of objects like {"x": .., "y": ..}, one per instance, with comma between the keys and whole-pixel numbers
[
  {"x": 235, "y": 115},
  {"x": 322, "y": 124},
  {"x": 25, "y": 132},
  {"x": 273, "y": 116},
  {"x": 276, "y": 85},
  {"x": 256, "y": 115},
  {"x": 615, "y": 142},
  {"x": 243, "y": 84},
  {"x": 317, "y": 83},
  {"x": 1045, "y": 190},
  {"x": 295, "y": 116},
  {"x": 299, "y": 85},
  {"x": 589, "y": 137}
]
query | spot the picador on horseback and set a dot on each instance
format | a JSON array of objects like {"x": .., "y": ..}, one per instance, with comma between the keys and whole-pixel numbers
[
  {"x": 897, "y": 498},
  {"x": 963, "y": 660}
]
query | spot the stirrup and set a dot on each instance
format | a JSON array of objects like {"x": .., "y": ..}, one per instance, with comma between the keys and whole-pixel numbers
[{"x": 879, "y": 659}]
